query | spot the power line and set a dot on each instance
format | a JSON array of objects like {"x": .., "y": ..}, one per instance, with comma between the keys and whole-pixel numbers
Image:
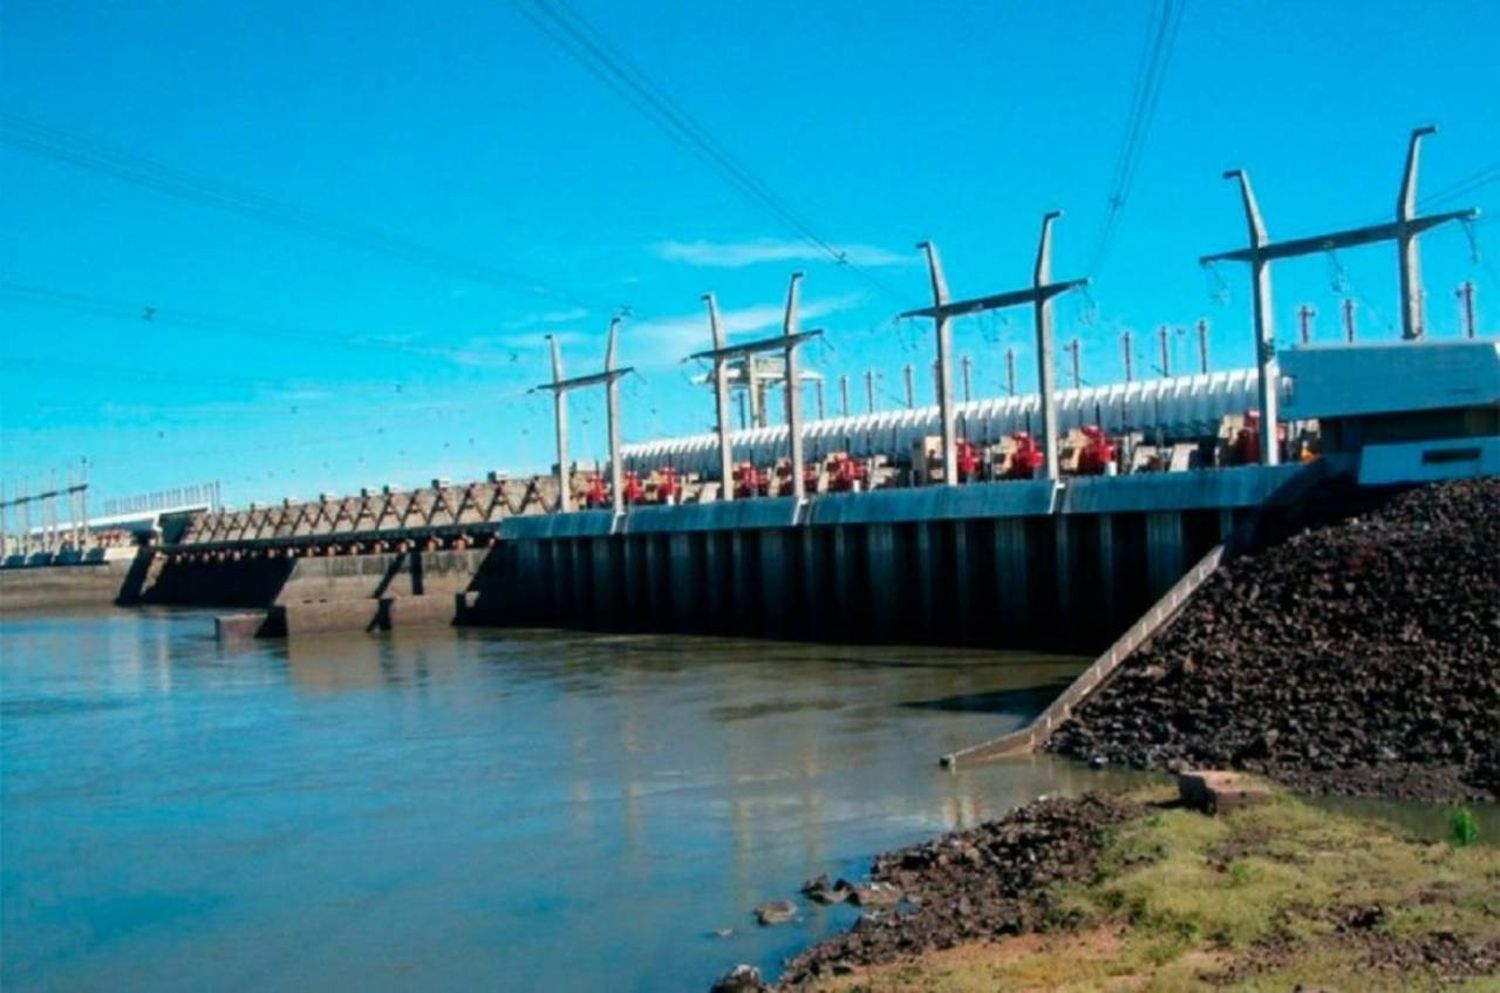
[
  {"x": 1468, "y": 184},
  {"x": 1151, "y": 72},
  {"x": 96, "y": 156},
  {"x": 593, "y": 50},
  {"x": 143, "y": 313}
]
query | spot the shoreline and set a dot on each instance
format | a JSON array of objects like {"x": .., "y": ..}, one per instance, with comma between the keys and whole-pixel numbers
[{"x": 1134, "y": 887}]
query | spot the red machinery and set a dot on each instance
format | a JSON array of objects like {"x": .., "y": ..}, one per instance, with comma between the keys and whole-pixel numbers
[
  {"x": 846, "y": 474},
  {"x": 1097, "y": 454},
  {"x": 1026, "y": 459},
  {"x": 634, "y": 491},
  {"x": 968, "y": 461},
  {"x": 749, "y": 481},
  {"x": 596, "y": 495},
  {"x": 668, "y": 489}
]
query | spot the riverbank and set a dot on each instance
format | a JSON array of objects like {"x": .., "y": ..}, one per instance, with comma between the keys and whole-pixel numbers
[{"x": 1137, "y": 892}]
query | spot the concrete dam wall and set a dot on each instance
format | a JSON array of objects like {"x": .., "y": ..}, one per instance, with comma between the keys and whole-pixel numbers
[
  {"x": 1028, "y": 565},
  {"x": 1004, "y": 565}
]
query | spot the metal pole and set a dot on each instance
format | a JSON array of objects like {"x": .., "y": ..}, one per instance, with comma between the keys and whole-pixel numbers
[
  {"x": 1203, "y": 346},
  {"x": 721, "y": 402},
  {"x": 560, "y": 419},
  {"x": 612, "y": 417},
  {"x": 1305, "y": 314},
  {"x": 1129, "y": 356},
  {"x": 946, "y": 414},
  {"x": 1267, "y": 372},
  {"x": 1073, "y": 347},
  {"x": 1413, "y": 325},
  {"x": 844, "y": 394},
  {"x": 870, "y": 390},
  {"x": 752, "y": 387},
  {"x": 911, "y": 396},
  {"x": 1010, "y": 371},
  {"x": 1163, "y": 338},
  {"x": 968, "y": 382},
  {"x": 1466, "y": 294},
  {"x": 1046, "y": 370},
  {"x": 1349, "y": 320},
  {"x": 794, "y": 389},
  {"x": 818, "y": 394}
]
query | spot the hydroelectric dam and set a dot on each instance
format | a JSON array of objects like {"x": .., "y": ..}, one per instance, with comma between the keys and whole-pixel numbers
[{"x": 1046, "y": 520}]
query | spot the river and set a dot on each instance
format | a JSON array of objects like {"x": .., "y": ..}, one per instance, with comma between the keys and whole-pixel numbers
[{"x": 463, "y": 810}]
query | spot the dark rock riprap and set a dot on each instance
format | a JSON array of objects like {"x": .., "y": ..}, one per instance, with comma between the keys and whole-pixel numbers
[
  {"x": 995, "y": 879},
  {"x": 1360, "y": 658}
]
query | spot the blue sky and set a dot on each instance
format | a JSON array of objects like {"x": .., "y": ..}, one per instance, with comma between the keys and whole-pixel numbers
[{"x": 460, "y": 127}]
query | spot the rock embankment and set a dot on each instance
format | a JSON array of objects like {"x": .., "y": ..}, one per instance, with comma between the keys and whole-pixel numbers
[
  {"x": 1360, "y": 658},
  {"x": 993, "y": 880}
]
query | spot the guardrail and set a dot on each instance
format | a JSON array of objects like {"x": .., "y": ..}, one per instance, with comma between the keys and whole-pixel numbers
[{"x": 1033, "y": 735}]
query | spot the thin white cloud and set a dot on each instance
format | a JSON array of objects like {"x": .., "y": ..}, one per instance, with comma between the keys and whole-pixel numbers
[
  {"x": 737, "y": 254},
  {"x": 667, "y": 340}
]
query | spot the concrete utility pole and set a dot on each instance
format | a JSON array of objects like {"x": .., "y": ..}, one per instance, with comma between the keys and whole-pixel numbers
[
  {"x": 1125, "y": 339},
  {"x": 1262, "y": 252},
  {"x": 1203, "y": 346},
  {"x": 721, "y": 401},
  {"x": 788, "y": 342},
  {"x": 1073, "y": 347},
  {"x": 1349, "y": 320},
  {"x": 911, "y": 393},
  {"x": 844, "y": 394},
  {"x": 1039, "y": 295},
  {"x": 559, "y": 388},
  {"x": 968, "y": 367},
  {"x": 1466, "y": 294},
  {"x": 1305, "y": 314}
]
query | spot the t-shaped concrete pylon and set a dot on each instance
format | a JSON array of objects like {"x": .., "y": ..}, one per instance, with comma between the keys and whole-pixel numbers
[
  {"x": 1262, "y": 251},
  {"x": 1039, "y": 294}
]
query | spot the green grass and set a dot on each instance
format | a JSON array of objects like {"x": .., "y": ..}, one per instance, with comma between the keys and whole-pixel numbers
[
  {"x": 1182, "y": 897},
  {"x": 1463, "y": 827}
]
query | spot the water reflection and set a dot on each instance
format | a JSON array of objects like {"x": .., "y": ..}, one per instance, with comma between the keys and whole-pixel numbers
[{"x": 464, "y": 809}]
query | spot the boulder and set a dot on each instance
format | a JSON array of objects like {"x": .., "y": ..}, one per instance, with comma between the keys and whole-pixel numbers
[
  {"x": 740, "y": 979},
  {"x": 775, "y": 912}
]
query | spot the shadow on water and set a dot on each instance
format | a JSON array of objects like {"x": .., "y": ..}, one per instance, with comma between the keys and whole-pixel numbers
[{"x": 1024, "y": 701}]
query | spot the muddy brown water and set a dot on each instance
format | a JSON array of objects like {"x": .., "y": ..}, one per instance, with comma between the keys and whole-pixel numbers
[{"x": 460, "y": 810}]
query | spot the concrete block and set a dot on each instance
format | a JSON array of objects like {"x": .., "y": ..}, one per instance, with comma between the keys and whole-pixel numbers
[{"x": 1214, "y": 791}]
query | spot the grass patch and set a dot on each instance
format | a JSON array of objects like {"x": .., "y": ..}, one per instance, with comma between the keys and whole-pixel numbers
[{"x": 1266, "y": 898}]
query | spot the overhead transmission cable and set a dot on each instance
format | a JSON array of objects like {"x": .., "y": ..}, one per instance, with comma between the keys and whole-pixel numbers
[
  {"x": 42, "y": 140},
  {"x": 1151, "y": 73},
  {"x": 592, "y": 49},
  {"x": 44, "y": 296},
  {"x": 1476, "y": 180}
]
